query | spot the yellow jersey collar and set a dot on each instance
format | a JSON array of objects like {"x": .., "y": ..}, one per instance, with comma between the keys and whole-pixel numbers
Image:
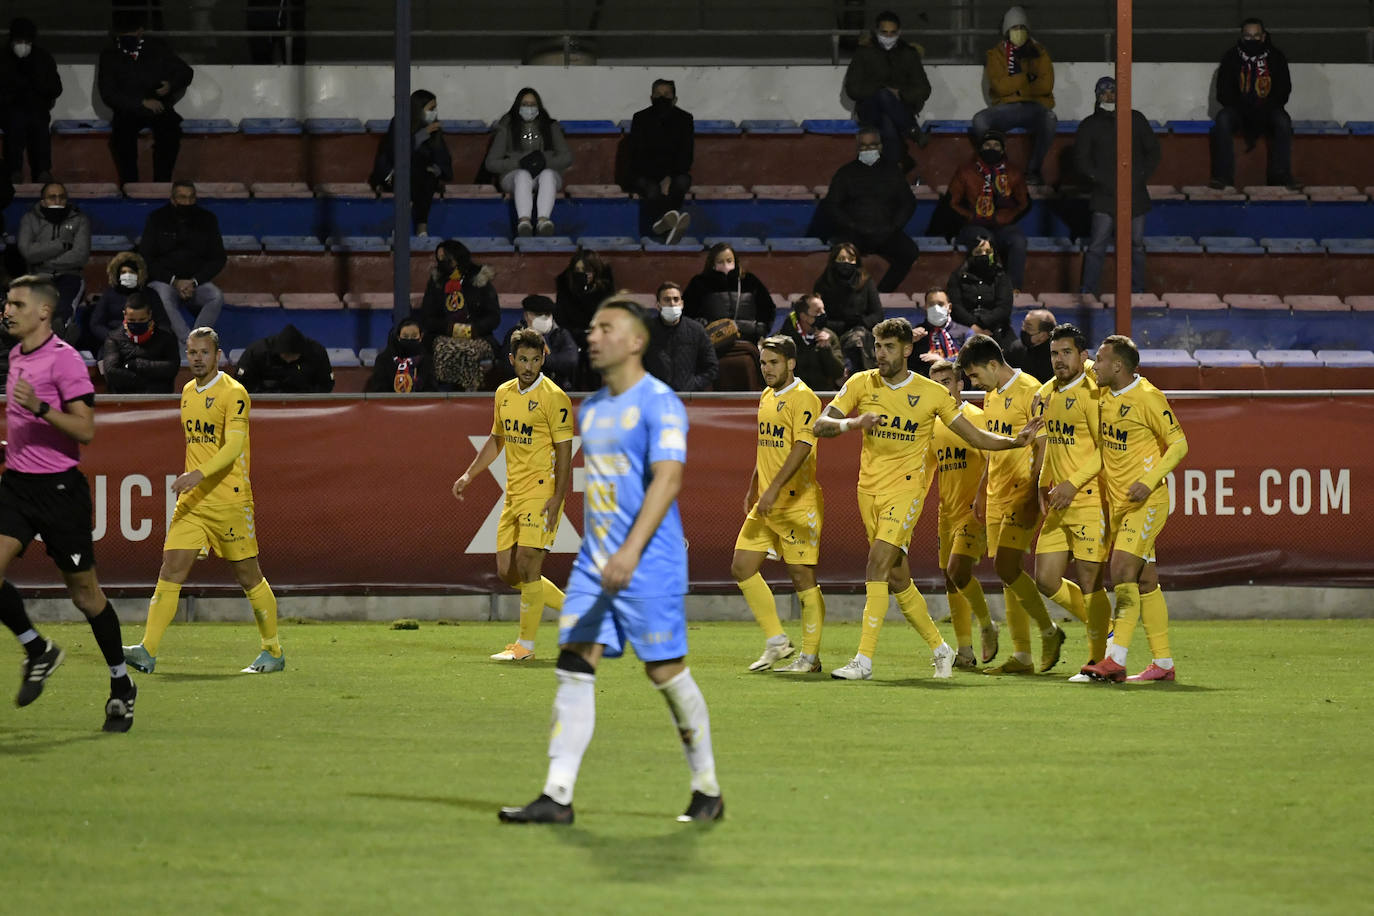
[
  {"x": 779, "y": 392},
  {"x": 906, "y": 381},
  {"x": 213, "y": 382},
  {"x": 1076, "y": 381},
  {"x": 533, "y": 385},
  {"x": 1009, "y": 381},
  {"x": 1117, "y": 394}
]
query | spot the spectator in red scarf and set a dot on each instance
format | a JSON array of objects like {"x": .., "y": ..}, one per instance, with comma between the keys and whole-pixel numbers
[
  {"x": 939, "y": 336},
  {"x": 991, "y": 196},
  {"x": 1253, "y": 86}
]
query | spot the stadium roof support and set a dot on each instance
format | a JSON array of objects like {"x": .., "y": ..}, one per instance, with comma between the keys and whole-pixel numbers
[
  {"x": 401, "y": 140},
  {"x": 1124, "y": 140}
]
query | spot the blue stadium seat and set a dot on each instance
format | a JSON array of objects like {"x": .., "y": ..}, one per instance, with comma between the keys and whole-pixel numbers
[
  {"x": 1056, "y": 243},
  {"x": 270, "y": 126},
  {"x": 770, "y": 126},
  {"x": 368, "y": 356},
  {"x": 460, "y": 126},
  {"x": 486, "y": 243},
  {"x": 932, "y": 243},
  {"x": 1067, "y": 127},
  {"x": 546, "y": 243},
  {"x": 208, "y": 126},
  {"x": 427, "y": 243},
  {"x": 796, "y": 244},
  {"x": 842, "y": 127},
  {"x": 947, "y": 126},
  {"x": 716, "y": 126},
  {"x": 247, "y": 243},
  {"x": 292, "y": 243},
  {"x": 1224, "y": 358},
  {"x": 116, "y": 243},
  {"x": 358, "y": 243},
  {"x": 740, "y": 243},
  {"x": 1349, "y": 246},
  {"x": 1172, "y": 244},
  {"x": 1291, "y": 246},
  {"x": 1159, "y": 127},
  {"x": 1287, "y": 358},
  {"x": 379, "y": 125},
  {"x": 609, "y": 243},
  {"x": 333, "y": 126},
  {"x": 1346, "y": 359},
  {"x": 1229, "y": 244},
  {"x": 594, "y": 128},
  {"x": 1313, "y": 128},
  {"x": 76, "y": 126},
  {"x": 342, "y": 357},
  {"x": 1190, "y": 127},
  {"x": 686, "y": 243},
  {"x": 1167, "y": 359},
  {"x": 1360, "y": 128}
]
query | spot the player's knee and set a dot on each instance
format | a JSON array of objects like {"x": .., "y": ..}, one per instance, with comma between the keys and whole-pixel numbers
[
  {"x": 741, "y": 569},
  {"x": 1049, "y": 586},
  {"x": 571, "y": 661},
  {"x": 1008, "y": 568}
]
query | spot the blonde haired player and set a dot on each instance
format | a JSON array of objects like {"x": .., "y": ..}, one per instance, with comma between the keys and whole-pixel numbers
[
  {"x": 1141, "y": 443},
  {"x": 533, "y": 421},
  {"x": 783, "y": 509},
  {"x": 899, "y": 409},
  {"x": 214, "y": 506}
]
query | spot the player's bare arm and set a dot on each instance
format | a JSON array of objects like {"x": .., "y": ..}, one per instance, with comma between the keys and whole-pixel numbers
[
  {"x": 231, "y": 449},
  {"x": 658, "y": 499},
  {"x": 832, "y": 423},
  {"x": 76, "y": 419},
  {"x": 994, "y": 442},
  {"x": 795, "y": 459},
  {"x": 562, "y": 474},
  {"x": 485, "y": 456}
]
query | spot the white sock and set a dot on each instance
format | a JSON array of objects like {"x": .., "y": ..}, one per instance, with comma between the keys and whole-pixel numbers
[
  {"x": 1022, "y": 657},
  {"x": 779, "y": 640},
  {"x": 526, "y": 644},
  {"x": 28, "y": 636},
  {"x": 1165, "y": 663},
  {"x": 120, "y": 670},
  {"x": 693, "y": 722},
  {"x": 1117, "y": 653},
  {"x": 809, "y": 659},
  {"x": 574, "y": 717},
  {"x": 863, "y": 660}
]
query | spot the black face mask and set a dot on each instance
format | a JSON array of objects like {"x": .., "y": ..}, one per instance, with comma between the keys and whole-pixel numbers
[
  {"x": 984, "y": 265},
  {"x": 1026, "y": 339},
  {"x": 55, "y": 214},
  {"x": 130, "y": 44},
  {"x": 1251, "y": 46},
  {"x": 138, "y": 328},
  {"x": 991, "y": 156},
  {"x": 818, "y": 322},
  {"x": 662, "y": 102},
  {"x": 183, "y": 210},
  {"x": 409, "y": 348},
  {"x": 846, "y": 271}
]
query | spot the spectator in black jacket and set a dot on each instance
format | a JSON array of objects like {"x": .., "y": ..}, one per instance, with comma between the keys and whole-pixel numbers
[
  {"x": 459, "y": 314},
  {"x": 939, "y": 336},
  {"x": 659, "y": 157},
  {"x": 980, "y": 294},
  {"x": 579, "y": 289},
  {"x": 404, "y": 366},
  {"x": 1253, "y": 86},
  {"x": 55, "y": 239},
  {"x": 869, "y": 203},
  {"x": 141, "y": 79},
  {"x": 887, "y": 83},
  {"x": 430, "y": 162},
  {"x": 1094, "y": 156},
  {"x": 29, "y": 87},
  {"x": 286, "y": 362},
  {"x": 725, "y": 291},
  {"x": 128, "y": 274},
  {"x": 185, "y": 252},
  {"x": 139, "y": 357},
  {"x": 819, "y": 363},
  {"x": 1031, "y": 351},
  {"x": 852, "y": 306},
  {"x": 679, "y": 353},
  {"x": 560, "y": 357}
]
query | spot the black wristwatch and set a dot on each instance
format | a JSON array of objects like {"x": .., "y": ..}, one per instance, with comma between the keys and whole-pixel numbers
[{"x": 42, "y": 410}]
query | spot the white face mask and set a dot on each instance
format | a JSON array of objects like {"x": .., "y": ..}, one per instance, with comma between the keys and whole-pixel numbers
[
  {"x": 529, "y": 112},
  {"x": 542, "y": 323},
  {"x": 1107, "y": 106},
  {"x": 128, "y": 281},
  {"x": 937, "y": 315},
  {"x": 672, "y": 314},
  {"x": 431, "y": 115},
  {"x": 869, "y": 156},
  {"x": 22, "y": 49},
  {"x": 887, "y": 41}
]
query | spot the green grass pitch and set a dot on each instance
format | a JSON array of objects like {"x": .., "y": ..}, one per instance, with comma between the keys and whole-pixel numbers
[{"x": 367, "y": 779}]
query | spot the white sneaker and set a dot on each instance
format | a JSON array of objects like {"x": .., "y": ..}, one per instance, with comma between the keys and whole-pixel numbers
[
  {"x": 854, "y": 671},
  {"x": 1080, "y": 678},
  {"x": 943, "y": 660},
  {"x": 802, "y": 664},
  {"x": 664, "y": 223},
  {"x": 684, "y": 219},
  {"x": 772, "y": 655}
]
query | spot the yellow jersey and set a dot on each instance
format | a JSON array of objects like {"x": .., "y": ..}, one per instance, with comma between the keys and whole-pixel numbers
[
  {"x": 207, "y": 416},
  {"x": 894, "y": 452},
  {"x": 960, "y": 465},
  {"x": 785, "y": 418},
  {"x": 1005, "y": 411},
  {"x": 1141, "y": 438},
  {"x": 1072, "y": 434},
  {"x": 531, "y": 421}
]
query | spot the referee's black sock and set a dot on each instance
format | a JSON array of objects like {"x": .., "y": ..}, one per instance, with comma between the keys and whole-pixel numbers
[
  {"x": 105, "y": 626},
  {"x": 12, "y": 614}
]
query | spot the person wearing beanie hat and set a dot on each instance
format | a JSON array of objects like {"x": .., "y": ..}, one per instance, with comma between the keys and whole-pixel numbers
[
  {"x": 1020, "y": 78},
  {"x": 1094, "y": 156},
  {"x": 29, "y": 87},
  {"x": 560, "y": 358}
]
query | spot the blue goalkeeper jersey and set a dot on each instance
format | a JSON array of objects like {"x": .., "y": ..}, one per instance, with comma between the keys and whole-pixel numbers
[{"x": 623, "y": 436}]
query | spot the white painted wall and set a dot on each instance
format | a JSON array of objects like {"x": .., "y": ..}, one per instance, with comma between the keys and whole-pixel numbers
[{"x": 1162, "y": 91}]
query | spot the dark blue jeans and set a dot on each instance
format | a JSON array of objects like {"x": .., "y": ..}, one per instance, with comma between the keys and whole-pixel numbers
[
  {"x": 1276, "y": 125},
  {"x": 1103, "y": 230},
  {"x": 893, "y": 119},
  {"x": 1040, "y": 121}
]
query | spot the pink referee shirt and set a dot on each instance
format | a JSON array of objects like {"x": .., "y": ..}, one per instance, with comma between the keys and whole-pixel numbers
[{"x": 58, "y": 375}]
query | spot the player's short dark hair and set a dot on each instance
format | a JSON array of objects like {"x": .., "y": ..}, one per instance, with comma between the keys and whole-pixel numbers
[
  {"x": 888, "y": 16},
  {"x": 1070, "y": 331},
  {"x": 623, "y": 303},
  {"x": 204, "y": 331},
  {"x": 666, "y": 284},
  {"x": 893, "y": 328},
  {"x": 1124, "y": 349},
  {"x": 780, "y": 343},
  {"x": 942, "y": 364},
  {"x": 979, "y": 350},
  {"x": 183, "y": 183},
  {"x": 528, "y": 338},
  {"x": 40, "y": 284}
]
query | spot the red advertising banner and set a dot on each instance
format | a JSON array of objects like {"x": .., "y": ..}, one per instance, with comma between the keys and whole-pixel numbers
[{"x": 353, "y": 496}]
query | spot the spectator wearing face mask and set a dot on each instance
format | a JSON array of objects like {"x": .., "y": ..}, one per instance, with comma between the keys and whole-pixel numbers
[
  {"x": 869, "y": 203},
  {"x": 990, "y": 194},
  {"x": 887, "y": 83},
  {"x": 404, "y": 367},
  {"x": 659, "y": 152},
  {"x": 140, "y": 356},
  {"x": 430, "y": 163},
  {"x": 732, "y": 303},
  {"x": 459, "y": 314},
  {"x": 1094, "y": 156},
  {"x": 1020, "y": 78},
  {"x": 140, "y": 79},
  {"x": 529, "y": 155},
  {"x": 579, "y": 289},
  {"x": 819, "y": 361},
  {"x": 852, "y": 306},
  {"x": 980, "y": 295},
  {"x": 939, "y": 336},
  {"x": 1253, "y": 86},
  {"x": 1031, "y": 351},
  {"x": 185, "y": 253},
  {"x": 128, "y": 274},
  {"x": 679, "y": 354},
  {"x": 560, "y": 350},
  {"x": 55, "y": 238},
  {"x": 29, "y": 87}
]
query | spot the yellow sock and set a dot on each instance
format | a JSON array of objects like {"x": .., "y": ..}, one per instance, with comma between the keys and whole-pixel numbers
[
  {"x": 961, "y": 615},
  {"x": 1154, "y": 613},
  {"x": 1018, "y": 622},
  {"x": 1099, "y": 622},
  {"x": 875, "y": 611},
  {"x": 813, "y": 619},
  {"x": 264, "y": 605},
  {"x": 161, "y": 609},
  {"x": 762, "y": 605},
  {"x": 531, "y": 609},
  {"x": 1029, "y": 595},
  {"x": 1127, "y": 613},
  {"x": 917, "y": 613},
  {"x": 973, "y": 594},
  {"x": 1070, "y": 598},
  {"x": 553, "y": 595}
]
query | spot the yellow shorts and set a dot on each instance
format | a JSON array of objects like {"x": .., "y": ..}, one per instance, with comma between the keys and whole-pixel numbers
[
  {"x": 963, "y": 534},
  {"x": 891, "y": 518},
  {"x": 1010, "y": 525},
  {"x": 522, "y": 522},
  {"x": 1135, "y": 526},
  {"x": 1079, "y": 529},
  {"x": 794, "y": 533},
  {"x": 226, "y": 528}
]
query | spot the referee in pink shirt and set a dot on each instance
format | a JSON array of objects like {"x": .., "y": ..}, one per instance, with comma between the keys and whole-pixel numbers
[{"x": 49, "y": 414}]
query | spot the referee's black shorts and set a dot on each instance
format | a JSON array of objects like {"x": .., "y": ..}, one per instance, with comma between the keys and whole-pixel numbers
[{"x": 56, "y": 506}]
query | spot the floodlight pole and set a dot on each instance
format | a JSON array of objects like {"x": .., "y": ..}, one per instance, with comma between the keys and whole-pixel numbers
[
  {"x": 400, "y": 182},
  {"x": 1124, "y": 142}
]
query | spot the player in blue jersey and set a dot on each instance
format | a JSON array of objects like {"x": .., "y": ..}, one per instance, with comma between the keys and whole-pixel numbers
[{"x": 630, "y": 576}]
